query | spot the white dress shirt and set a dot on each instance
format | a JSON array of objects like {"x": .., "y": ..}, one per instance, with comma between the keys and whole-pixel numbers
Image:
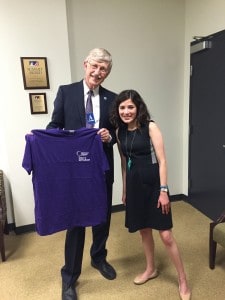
[{"x": 95, "y": 102}]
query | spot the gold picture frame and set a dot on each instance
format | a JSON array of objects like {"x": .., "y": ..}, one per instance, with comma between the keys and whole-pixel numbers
[
  {"x": 35, "y": 73},
  {"x": 38, "y": 103}
]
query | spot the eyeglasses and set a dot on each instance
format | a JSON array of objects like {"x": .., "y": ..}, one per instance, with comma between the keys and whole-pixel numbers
[{"x": 95, "y": 66}]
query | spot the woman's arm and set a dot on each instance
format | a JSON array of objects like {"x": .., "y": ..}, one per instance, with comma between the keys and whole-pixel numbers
[{"x": 157, "y": 141}]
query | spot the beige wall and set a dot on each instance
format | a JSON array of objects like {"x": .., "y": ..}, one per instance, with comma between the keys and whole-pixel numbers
[
  {"x": 146, "y": 39},
  {"x": 149, "y": 41},
  {"x": 27, "y": 28}
]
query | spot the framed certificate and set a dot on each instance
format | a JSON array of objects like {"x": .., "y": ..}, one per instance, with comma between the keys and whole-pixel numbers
[
  {"x": 38, "y": 103},
  {"x": 35, "y": 73}
]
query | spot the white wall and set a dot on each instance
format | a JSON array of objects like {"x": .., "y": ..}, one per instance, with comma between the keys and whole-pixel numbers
[
  {"x": 149, "y": 41},
  {"x": 146, "y": 40},
  {"x": 202, "y": 18},
  {"x": 27, "y": 28}
]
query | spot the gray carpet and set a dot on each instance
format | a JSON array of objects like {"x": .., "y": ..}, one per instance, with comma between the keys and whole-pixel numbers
[{"x": 32, "y": 269}]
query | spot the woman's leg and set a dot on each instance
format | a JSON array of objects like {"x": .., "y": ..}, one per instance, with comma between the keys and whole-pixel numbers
[
  {"x": 171, "y": 246},
  {"x": 148, "y": 245}
]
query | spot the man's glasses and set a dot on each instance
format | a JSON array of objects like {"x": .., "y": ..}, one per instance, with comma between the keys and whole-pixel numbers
[{"x": 95, "y": 66}]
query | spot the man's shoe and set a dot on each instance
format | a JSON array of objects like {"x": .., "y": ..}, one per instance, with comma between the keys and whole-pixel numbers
[
  {"x": 105, "y": 269},
  {"x": 68, "y": 292}
]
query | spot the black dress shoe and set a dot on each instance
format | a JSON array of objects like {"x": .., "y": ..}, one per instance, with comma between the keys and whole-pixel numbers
[
  {"x": 68, "y": 292},
  {"x": 105, "y": 269}
]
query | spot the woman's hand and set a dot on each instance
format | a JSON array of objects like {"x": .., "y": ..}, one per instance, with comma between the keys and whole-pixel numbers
[{"x": 164, "y": 202}]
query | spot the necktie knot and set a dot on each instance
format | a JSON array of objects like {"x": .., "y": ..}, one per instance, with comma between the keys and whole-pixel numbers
[{"x": 90, "y": 92}]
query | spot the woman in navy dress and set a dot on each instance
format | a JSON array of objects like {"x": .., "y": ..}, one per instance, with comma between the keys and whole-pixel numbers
[{"x": 145, "y": 190}]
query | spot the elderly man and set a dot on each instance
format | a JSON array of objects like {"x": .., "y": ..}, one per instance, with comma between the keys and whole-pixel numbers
[{"x": 70, "y": 113}]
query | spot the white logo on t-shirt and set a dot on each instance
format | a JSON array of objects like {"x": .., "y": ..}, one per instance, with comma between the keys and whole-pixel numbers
[{"x": 82, "y": 156}]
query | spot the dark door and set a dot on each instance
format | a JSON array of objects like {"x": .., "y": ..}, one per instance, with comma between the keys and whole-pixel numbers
[{"x": 207, "y": 127}]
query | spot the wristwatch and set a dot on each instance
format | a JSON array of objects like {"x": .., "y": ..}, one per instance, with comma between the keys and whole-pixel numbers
[
  {"x": 110, "y": 138},
  {"x": 164, "y": 188}
]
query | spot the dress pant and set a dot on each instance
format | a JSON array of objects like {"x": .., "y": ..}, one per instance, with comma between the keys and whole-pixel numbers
[{"x": 74, "y": 245}]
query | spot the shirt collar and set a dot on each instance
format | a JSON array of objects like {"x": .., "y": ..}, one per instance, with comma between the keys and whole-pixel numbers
[{"x": 86, "y": 89}]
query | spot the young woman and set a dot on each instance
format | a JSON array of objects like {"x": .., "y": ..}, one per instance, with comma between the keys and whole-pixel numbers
[{"x": 145, "y": 190}]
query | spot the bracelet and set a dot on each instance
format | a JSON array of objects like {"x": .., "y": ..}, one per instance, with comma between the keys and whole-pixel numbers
[
  {"x": 110, "y": 138},
  {"x": 164, "y": 188}
]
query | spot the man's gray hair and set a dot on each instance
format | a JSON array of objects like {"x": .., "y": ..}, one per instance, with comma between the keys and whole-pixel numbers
[{"x": 100, "y": 55}]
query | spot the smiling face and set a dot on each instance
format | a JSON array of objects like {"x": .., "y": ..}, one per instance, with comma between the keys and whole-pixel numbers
[
  {"x": 95, "y": 72},
  {"x": 128, "y": 113}
]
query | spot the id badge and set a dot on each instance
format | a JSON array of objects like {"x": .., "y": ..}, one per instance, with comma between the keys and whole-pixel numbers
[{"x": 90, "y": 118}]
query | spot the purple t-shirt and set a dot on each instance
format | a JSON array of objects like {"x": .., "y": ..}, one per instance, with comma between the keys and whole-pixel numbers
[{"x": 68, "y": 175}]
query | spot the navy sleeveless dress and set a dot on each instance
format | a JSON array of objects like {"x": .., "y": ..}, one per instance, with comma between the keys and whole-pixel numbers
[{"x": 142, "y": 182}]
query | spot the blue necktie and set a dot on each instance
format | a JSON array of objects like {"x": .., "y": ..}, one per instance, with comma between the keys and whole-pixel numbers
[{"x": 89, "y": 110}]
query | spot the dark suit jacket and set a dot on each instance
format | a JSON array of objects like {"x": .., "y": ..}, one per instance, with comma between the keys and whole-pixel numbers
[{"x": 69, "y": 113}]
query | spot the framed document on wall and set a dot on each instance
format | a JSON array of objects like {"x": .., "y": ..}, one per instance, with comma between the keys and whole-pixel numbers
[
  {"x": 35, "y": 73},
  {"x": 38, "y": 103}
]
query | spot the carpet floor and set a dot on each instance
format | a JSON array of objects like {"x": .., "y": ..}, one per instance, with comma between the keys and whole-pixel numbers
[{"x": 32, "y": 268}]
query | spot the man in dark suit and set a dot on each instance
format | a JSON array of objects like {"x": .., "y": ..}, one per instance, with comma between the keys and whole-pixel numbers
[{"x": 69, "y": 113}]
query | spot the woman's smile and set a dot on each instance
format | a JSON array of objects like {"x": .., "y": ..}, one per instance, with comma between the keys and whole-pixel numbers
[{"x": 128, "y": 111}]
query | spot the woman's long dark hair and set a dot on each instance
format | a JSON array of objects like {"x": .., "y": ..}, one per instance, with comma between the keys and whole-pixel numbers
[{"x": 143, "y": 115}]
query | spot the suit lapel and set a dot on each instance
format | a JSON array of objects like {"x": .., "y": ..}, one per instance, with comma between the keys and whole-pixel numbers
[
  {"x": 79, "y": 95},
  {"x": 103, "y": 106}
]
